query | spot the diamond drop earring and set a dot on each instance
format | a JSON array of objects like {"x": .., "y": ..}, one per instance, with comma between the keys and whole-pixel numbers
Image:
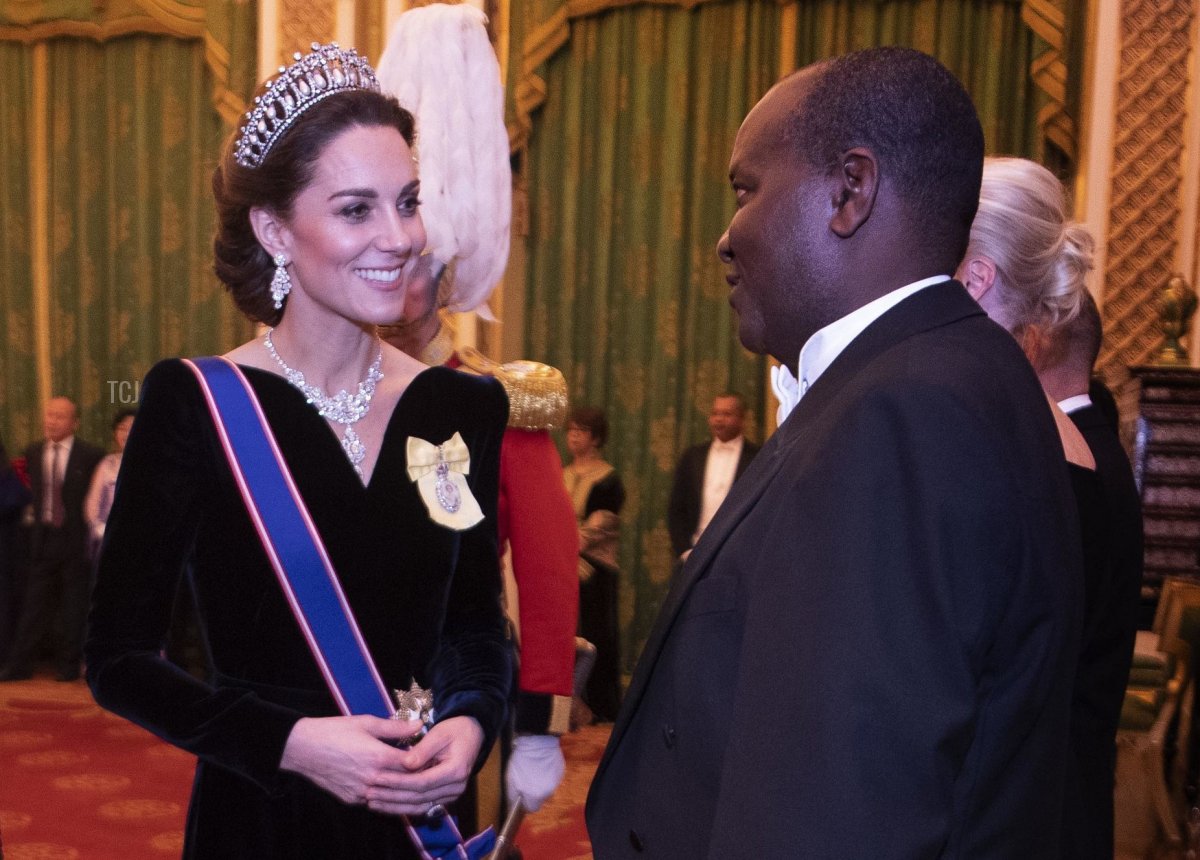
[{"x": 281, "y": 283}]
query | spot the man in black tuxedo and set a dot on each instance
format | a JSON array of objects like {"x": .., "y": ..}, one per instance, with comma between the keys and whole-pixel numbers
[
  {"x": 60, "y": 471},
  {"x": 869, "y": 652},
  {"x": 1112, "y": 585},
  {"x": 707, "y": 471}
]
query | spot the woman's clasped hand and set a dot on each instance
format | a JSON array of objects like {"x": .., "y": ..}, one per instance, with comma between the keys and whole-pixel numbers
[{"x": 358, "y": 760}]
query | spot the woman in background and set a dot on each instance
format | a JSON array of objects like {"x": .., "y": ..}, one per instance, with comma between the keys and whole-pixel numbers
[
  {"x": 99, "y": 499},
  {"x": 1027, "y": 265},
  {"x": 597, "y": 495}
]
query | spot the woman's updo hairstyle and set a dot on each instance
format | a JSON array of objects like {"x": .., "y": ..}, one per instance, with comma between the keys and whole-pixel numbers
[
  {"x": 241, "y": 263},
  {"x": 1042, "y": 258}
]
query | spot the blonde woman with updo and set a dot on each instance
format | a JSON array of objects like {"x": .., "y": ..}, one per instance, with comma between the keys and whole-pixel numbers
[{"x": 1027, "y": 265}]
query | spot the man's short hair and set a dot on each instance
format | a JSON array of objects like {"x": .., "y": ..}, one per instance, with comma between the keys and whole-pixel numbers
[
  {"x": 1082, "y": 336},
  {"x": 733, "y": 395},
  {"x": 917, "y": 119}
]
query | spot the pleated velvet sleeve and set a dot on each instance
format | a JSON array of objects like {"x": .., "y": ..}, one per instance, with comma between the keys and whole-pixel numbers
[{"x": 160, "y": 499}]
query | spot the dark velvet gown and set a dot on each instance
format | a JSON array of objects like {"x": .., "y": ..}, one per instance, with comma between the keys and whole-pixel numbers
[
  {"x": 598, "y": 598},
  {"x": 1111, "y": 526},
  {"x": 427, "y": 600}
]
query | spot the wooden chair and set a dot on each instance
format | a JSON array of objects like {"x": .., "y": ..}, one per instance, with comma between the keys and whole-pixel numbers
[{"x": 1150, "y": 800}]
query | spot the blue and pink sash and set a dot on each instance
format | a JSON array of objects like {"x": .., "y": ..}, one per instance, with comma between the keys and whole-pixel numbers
[{"x": 306, "y": 575}]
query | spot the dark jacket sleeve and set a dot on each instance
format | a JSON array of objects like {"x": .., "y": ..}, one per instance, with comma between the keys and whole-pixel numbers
[
  {"x": 682, "y": 510},
  {"x": 749, "y": 452},
  {"x": 147, "y": 543}
]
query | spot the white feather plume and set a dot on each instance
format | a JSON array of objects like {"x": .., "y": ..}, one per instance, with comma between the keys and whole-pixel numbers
[{"x": 440, "y": 65}]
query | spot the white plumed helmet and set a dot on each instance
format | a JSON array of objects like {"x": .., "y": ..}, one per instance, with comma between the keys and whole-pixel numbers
[{"x": 440, "y": 65}]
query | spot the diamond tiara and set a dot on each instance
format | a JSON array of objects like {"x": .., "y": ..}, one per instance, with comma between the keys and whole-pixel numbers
[{"x": 309, "y": 79}]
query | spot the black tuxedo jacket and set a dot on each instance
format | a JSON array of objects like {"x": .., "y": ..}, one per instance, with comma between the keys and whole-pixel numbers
[
  {"x": 869, "y": 651},
  {"x": 687, "y": 491},
  {"x": 1112, "y": 520},
  {"x": 76, "y": 480}
]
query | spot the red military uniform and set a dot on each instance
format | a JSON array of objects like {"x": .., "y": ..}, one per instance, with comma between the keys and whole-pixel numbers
[{"x": 537, "y": 524}]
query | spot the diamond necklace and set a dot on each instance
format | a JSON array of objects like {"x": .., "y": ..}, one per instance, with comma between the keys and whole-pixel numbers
[{"x": 343, "y": 408}]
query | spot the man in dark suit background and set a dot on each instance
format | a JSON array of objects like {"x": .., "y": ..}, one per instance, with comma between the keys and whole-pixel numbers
[
  {"x": 869, "y": 652},
  {"x": 60, "y": 470},
  {"x": 706, "y": 472},
  {"x": 1113, "y": 568}
]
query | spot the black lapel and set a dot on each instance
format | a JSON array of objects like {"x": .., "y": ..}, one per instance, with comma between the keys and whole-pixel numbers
[
  {"x": 699, "y": 467},
  {"x": 1088, "y": 417},
  {"x": 742, "y": 496},
  {"x": 938, "y": 305}
]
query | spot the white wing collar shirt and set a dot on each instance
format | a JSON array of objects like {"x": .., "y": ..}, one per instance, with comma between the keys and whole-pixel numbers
[
  {"x": 1074, "y": 404},
  {"x": 719, "y": 471},
  {"x": 824, "y": 346}
]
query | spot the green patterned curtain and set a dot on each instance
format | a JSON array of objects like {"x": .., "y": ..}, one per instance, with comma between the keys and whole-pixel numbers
[
  {"x": 113, "y": 115},
  {"x": 628, "y": 194},
  {"x": 131, "y": 281},
  {"x": 985, "y": 44},
  {"x": 634, "y": 115},
  {"x": 18, "y": 375},
  {"x": 119, "y": 176},
  {"x": 227, "y": 30}
]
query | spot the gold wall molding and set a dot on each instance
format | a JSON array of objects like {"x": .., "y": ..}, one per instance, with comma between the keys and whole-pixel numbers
[
  {"x": 1093, "y": 187},
  {"x": 1148, "y": 151},
  {"x": 97, "y": 32},
  {"x": 154, "y": 17},
  {"x": 1049, "y": 72},
  {"x": 173, "y": 14},
  {"x": 300, "y": 24},
  {"x": 228, "y": 104}
]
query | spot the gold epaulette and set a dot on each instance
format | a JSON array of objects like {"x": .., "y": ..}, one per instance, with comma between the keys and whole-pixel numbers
[{"x": 537, "y": 393}]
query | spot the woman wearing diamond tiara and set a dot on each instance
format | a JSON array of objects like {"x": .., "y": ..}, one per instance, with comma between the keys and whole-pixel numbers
[{"x": 317, "y": 202}]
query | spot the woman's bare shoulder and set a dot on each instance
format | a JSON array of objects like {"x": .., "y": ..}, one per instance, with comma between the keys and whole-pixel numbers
[{"x": 252, "y": 354}]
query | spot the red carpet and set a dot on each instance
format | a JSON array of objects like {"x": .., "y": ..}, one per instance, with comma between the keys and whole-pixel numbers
[{"x": 77, "y": 783}]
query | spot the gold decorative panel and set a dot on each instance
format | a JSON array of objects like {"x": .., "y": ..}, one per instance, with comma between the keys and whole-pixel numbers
[
  {"x": 302, "y": 22},
  {"x": 1146, "y": 176},
  {"x": 1047, "y": 18}
]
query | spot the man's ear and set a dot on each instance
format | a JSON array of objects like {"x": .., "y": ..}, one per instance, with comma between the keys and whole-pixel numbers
[
  {"x": 978, "y": 275},
  {"x": 854, "y": 195},
  {"x": 270, "y": 231}
]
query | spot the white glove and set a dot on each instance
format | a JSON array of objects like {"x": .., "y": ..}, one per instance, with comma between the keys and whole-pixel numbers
[{"x": 534, "y": 770}]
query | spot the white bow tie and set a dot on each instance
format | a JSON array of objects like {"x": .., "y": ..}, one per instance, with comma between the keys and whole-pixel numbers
[{"x": 787, "y": 392}]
